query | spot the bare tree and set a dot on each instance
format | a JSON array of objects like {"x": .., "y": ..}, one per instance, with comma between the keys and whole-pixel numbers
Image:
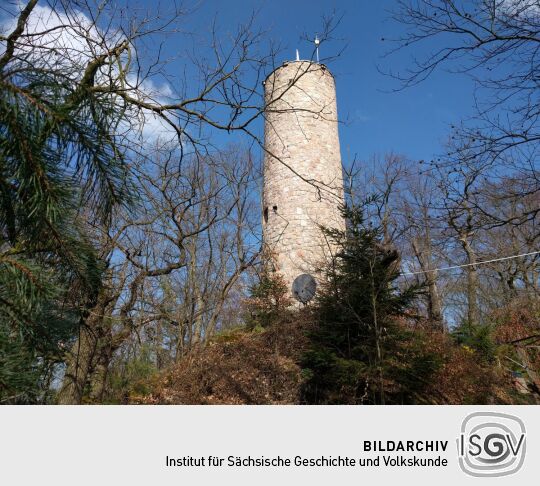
[
  {"x": 173, "y": 265},
  {"x": 419, "y": 200},
  {"x": 495, "y": 42}
]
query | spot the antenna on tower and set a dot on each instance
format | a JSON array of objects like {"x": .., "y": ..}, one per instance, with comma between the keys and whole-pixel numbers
[
  {"x": 297, "y": 55},
  {"x": 317, "y": 42}
]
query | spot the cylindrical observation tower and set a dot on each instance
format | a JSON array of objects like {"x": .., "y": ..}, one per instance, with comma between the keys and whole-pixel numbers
[{"x": 303, "y": 183}]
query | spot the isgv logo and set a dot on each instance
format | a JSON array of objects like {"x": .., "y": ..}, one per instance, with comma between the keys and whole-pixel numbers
[{"x": 491, "y": 444}]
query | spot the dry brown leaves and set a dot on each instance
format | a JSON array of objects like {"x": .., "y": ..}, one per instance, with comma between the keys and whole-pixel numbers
[{"x": 238, "y": 367}]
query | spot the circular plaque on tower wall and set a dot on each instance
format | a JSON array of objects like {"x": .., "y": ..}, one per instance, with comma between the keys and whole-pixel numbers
[{"x": 304, "y": 287}]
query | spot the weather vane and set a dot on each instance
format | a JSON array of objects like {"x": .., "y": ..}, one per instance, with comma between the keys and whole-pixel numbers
[{"x": 317, "y": 42}]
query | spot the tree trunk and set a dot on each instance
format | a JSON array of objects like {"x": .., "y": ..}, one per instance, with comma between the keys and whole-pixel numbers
[
  {"x": 424, "y": 255},
  {"x": 79, "y": 368},
  {"x": 84, "y": 354},
  {"x": 100, "y": 372},
  {"x": 472, "y": 283}
]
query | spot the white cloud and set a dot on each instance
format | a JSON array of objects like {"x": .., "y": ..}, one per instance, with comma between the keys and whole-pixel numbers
[
  {"x": 58, "y": 38},
  {"x": 526, "y": 9},
  {"x": 70, "y": 41}
]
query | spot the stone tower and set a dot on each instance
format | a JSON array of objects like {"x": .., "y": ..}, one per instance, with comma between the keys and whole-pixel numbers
[{"x": 303, "y": 184}]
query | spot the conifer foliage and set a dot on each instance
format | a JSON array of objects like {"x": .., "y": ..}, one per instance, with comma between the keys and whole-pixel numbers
[
  {"x": 360, "y": 351},
  {"x": 58, "y": 157},
  {"x": 268, "y": 302}
]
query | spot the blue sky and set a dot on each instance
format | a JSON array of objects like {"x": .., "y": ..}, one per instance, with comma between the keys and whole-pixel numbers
[
  {"x": 376, "y": 120},
  {"x": 414, "y": 122}
]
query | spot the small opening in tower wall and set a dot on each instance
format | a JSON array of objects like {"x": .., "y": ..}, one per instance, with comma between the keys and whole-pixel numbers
[
  {"x": 274, "y": 208},
  {"x": 265, "y": 213}
]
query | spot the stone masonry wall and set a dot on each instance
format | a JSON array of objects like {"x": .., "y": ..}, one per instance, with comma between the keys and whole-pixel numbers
[{"x": 303, "y": 185}]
